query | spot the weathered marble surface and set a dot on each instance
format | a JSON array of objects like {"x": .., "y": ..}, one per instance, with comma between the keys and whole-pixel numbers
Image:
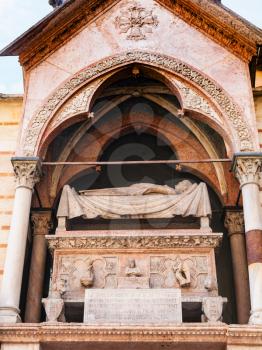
[
  {"x": 133, "y": 307},
  {"x": 136, "y": 201}
]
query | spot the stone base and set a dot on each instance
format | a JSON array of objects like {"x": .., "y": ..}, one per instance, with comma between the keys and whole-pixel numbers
[
  {"x": 256, "y": 318},
  {"x": 180, "y": 337},
  {"x": 9, "y": 315}
]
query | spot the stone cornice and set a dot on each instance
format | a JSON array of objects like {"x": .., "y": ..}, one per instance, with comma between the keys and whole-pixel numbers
[
  {"x": 130, "y": 240},
  {"x": 62, "y": 333},
  {"x": 49, "y": 42},
  {"x": 220, "y": 24}
]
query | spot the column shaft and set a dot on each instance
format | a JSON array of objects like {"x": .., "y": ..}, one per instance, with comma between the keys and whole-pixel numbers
[
  {"x": 234, "y": 222},
  {"x": 247, "y": 168},
  {"x": 41, "y": 224},
  {"x": 27, "y": 174}
]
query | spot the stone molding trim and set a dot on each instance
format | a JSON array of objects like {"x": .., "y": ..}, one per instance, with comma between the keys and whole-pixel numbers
[
  {"x": 67, "y": 241},
  {"x": 41, "y": 221},
  {"x": 189, "y": 333},
  {"x": 218, "y": 24},
  {"x": 234, "y": 222},
  {"x": 217, "y": 95},
  {"x": 247, "y": 168},
  {"x": 64, "y": 31},
  {"x": 27, "y": 171}
]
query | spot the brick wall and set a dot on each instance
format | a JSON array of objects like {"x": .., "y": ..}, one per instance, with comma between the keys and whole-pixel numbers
[{"x": 10, "y": 114}]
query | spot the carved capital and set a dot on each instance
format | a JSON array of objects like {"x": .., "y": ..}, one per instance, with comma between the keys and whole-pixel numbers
[
  {"x": 234, "y": 222},
  {"x": 41, "y": 221},
  {"x": 247, "y": 168},
  {"x": 27, "y": 171}
]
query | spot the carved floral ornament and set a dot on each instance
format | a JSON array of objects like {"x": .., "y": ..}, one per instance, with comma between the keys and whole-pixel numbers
[
  {"x": 107, "y": 242},
  {"x": 217, "y": 95},
  {"x": 247, "y": 169},
  {"x": 234, "y": 222},
  {"x": 27, "y": 172},
  {"x": 136, "y": 21},
  {"x": 41, "y": 222}
]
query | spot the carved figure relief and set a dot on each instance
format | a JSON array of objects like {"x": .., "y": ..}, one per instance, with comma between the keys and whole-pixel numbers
[
  {"x": 178, "y": 272},
  {"x": 136, "y": 21},
  {"x": 193, "y": 274},
  {"x": 132, "y": 270},
  {"x": 88, "y": 279}
]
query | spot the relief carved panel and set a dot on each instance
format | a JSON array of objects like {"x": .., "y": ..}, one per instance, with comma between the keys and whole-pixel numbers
[{"x": 188, "y": 272}]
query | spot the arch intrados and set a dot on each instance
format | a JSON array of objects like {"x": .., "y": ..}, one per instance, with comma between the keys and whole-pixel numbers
[
  {"x": 123, "y": 130},
  {"x": 148, "y": 67}
]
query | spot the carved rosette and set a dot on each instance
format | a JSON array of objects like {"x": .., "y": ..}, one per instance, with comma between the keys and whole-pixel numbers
[
  {"x": 136, "y": 21},
  {"x": 41, "y": 222},
  {"x": 234, "y": 222},
  {"x": 27, "y": 172},
  {"x": 247, "y": 170}
]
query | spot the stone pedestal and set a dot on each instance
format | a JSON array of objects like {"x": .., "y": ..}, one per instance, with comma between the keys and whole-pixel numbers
[
  {"x": 41, "y": 221},
  {"x": 234, "y": 222},
  {"x": 27, "y": 173},
  {"x": 247, "y": 168}
]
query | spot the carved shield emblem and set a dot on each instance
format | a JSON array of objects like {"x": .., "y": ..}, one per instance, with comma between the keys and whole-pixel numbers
[
  {"x": 213, "y": 308},
  {"x": 53, "y": 308}
]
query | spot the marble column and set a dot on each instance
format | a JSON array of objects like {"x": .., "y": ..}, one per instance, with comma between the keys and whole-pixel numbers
[
  {"x": 27, "y": 174},
  {"x": 234, "y": 222},
  {"x": 41, "y": 221},
  {"x": 247, "y": 167}
]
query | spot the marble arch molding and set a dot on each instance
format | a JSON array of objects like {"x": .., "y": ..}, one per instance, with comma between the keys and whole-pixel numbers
[{"x": 198, "y": 93}]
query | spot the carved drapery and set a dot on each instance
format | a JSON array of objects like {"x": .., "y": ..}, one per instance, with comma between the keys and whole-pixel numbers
[
  {"x": 27, "y": 172},
  {"x": 217, "y": 95}
]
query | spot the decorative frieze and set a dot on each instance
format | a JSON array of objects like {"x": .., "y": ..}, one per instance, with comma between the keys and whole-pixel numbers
[
  {"x": 136, "y": 21},
  {"x": 27, "y": 171},
  {"x": 133, "y": 242},
  {"x": 215, "y": 93}
]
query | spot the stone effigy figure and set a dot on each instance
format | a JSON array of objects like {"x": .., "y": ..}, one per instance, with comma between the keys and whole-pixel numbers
[
  {"x": 56, "y": 3},
  {"x": 138, "y": 201}
]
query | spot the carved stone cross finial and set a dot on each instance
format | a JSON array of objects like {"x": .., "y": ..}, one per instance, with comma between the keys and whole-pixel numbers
[{"x": 136, "y": 21}]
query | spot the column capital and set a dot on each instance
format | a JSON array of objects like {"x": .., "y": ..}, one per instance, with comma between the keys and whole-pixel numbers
[
  {"x": 27, "y": 171},
  {"x": 41, "y": 220},
  {"x": 234, "y": 222},
  {"x": 247, "y": 166}
]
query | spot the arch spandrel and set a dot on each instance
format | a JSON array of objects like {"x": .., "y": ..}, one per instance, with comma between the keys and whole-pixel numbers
[{"x": 229, "y": 110}]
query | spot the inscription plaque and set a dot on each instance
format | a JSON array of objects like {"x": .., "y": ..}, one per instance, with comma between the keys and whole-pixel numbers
[{"x": 133, "y": 306}]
